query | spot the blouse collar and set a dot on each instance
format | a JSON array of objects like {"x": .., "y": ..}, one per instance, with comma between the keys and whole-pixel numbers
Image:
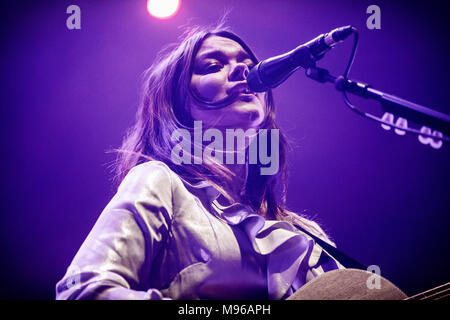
[{"x": 210, "y": 193}]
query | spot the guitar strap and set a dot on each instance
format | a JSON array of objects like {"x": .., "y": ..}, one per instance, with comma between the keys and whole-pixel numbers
[{"x": 344, "y": 259}]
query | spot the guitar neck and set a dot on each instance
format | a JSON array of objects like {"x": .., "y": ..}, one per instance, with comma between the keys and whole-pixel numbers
[{"x": 438, "y": 293}]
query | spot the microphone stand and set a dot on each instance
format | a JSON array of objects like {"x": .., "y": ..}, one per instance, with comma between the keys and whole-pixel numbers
[{"x": 390, "y": 103}]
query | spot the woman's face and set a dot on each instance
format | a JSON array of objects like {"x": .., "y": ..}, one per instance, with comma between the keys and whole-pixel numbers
[{"x": 220, "y": 70}]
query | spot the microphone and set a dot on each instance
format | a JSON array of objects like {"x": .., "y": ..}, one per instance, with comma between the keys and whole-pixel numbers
[{"x": 270, "y": 73}]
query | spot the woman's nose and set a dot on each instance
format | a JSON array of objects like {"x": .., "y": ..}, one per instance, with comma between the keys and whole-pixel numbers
[{"x": 239, "y": 72}]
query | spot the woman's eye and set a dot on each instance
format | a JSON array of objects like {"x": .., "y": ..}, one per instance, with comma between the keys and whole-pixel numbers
[{"x": 214, "y": 67}]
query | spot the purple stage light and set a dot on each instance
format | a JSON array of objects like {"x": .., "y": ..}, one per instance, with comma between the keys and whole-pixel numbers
[{"x": 162, "y": 9}]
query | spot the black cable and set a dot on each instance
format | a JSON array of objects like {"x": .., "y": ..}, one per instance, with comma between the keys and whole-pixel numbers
[{"x": 368, "y": 115}]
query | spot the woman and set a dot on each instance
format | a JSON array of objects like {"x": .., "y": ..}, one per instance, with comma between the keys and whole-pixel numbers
[{"x": 205, "y": 229}]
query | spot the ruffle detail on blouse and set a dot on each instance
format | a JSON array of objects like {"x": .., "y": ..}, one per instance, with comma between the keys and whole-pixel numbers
[{"x": 287, "y": 251}]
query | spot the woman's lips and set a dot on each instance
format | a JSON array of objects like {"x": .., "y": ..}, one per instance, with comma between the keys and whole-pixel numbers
[
  {"x": 232, "y": 98},
  {"x": 246, "y": 96}
]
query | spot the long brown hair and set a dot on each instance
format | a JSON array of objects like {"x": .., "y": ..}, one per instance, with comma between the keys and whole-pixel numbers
[{"x": 163, "y": 109}]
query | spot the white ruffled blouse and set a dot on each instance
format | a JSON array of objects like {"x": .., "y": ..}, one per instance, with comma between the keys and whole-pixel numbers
[{"x": 161, "y": 237}]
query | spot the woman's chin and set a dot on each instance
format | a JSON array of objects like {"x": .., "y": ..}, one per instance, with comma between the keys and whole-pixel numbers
[
  {"x": 247, "y": 109},
  {"x": 244, "y": 116},
  {"x": 240, "y": 114}
]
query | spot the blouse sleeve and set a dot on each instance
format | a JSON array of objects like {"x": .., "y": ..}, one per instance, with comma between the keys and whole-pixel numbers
[{"x": 115, "y": 260}]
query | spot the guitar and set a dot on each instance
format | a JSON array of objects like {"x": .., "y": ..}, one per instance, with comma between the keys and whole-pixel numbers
[{"x": 352, "y": 284}]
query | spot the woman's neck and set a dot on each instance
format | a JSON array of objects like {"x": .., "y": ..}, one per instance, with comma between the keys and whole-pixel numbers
[
  {"x": 238, "y": 176},
  {"x": 238, "y": 166},
  {"x": 239, "y": 179}
]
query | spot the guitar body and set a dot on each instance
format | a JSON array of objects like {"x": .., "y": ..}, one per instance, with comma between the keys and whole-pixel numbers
[{"x": 348, "y": 284}]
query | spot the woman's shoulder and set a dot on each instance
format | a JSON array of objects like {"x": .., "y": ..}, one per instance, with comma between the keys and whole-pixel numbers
[
  {"x": 155, "y": 166},
  {"x": 151, "y": 173},
  {"x": 310, "y": 226}
]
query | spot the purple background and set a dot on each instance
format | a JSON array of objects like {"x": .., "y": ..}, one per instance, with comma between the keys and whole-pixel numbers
[{"x": 67, "y": 97}]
